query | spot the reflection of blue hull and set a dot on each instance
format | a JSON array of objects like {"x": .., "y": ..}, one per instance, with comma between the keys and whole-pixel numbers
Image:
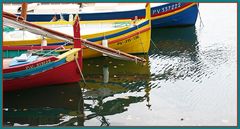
[{"x": 163, "y": 16}]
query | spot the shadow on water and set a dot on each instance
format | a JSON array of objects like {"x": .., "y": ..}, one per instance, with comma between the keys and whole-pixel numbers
[
  {"x": 64, "y": 105},
  {"x": 175, "y": 55},
  {"x": 53, "y": 105},
  {"x": 107, "y": 78},
  {"x": 178, "y": 55},
  {"x": 111, "y": 72},
  {"x": 174, "y": 41}
]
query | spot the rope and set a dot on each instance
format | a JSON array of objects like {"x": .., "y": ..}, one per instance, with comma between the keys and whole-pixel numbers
[
  {"x": 17, "y": 18},
  {"x": 145, "y": 54},
  {"x": 80, "y": 71},
  {"x": 136, "y": 61},
  {"x": 155, "y": 45},
  {"x": 201, "y": 22},
  {"x": 53, "y": 49},
  {"x": 141, "y": 40}
]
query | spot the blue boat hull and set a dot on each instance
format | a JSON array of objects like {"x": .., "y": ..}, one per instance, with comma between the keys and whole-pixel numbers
[{"x": 185, "y": 17}]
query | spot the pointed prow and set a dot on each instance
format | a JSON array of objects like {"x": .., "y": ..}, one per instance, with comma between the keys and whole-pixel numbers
[
  {"x": 77, "y": 39},
  {"x": 77, "y": 35},
  {"x": 77, "y": 43},
  {"x": 148, "y": 11}
]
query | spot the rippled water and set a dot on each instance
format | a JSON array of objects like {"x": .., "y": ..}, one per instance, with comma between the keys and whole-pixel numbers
[{"x": 190, "y": 79}]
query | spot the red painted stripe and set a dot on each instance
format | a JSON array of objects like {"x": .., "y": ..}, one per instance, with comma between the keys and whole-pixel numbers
[
  {"x": 65, "y": 73},
  {"x": 26, "y": 66},
  {"x": 32, "y": 47},
  {"x": 129, "y": 36},
  {"x": 125, "y": 37},
  {"x": 162, "y": 13}
]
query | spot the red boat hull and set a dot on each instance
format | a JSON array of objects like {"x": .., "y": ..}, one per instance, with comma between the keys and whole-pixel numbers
[{"x": 65, "y": 73}]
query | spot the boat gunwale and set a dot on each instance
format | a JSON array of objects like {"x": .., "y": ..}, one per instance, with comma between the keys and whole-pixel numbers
[{"x": 42, "y": 61}]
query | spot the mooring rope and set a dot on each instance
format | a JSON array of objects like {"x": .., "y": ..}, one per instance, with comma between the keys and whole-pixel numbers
[
  {"x": 80, "y": 71},
  {"x": 201, "y": 22},
  {"x": 51, "y": 50},
  {"x": 140, "y": 40},
  {"x": 155, "y": 45}
]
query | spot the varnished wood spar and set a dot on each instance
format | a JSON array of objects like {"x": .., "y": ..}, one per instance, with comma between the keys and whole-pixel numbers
[
  {"x": 132, "y": 57},
  {"x": 24, "y": 10},
  {"x": 21, "y": 20},
  {"x": 59, "y": 35}
]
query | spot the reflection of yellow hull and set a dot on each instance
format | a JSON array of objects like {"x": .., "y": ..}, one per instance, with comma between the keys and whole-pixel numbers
[
  {"x": 107, "y": 76},
  {"x": 118, "y": 71},
  {"x": 130, "y": 39}
]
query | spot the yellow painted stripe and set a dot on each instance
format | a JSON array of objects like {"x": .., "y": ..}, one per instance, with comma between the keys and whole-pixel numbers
[{"x": 69, "y": 55}]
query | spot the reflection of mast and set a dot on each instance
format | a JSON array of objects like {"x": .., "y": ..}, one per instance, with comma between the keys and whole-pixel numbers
[
  {"x": 105, "y": 74},
  {"x": 80, "y": 112},
  {"x": 103, "y": 120},
  {"x": 105, "y": 78},
  {"x": 97, "y": 113},
  {"x": 147, "y": 91}
]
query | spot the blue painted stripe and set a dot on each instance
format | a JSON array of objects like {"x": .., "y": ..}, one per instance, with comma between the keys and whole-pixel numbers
[
  {"x": 188, "y": 19},
  {"x": 112, "y": 35},
  {"x": 128, "y": 14},
  {"x": 119, "y": 33},
  {"x": 53, "y": 44},
  {"x": 107, "y": 15},
  {"x": 108, "y": 36},
  {"x": 35, "y": 70}
]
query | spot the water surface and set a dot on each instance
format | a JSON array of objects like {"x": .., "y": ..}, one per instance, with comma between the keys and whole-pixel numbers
[{"x": 190, "y": 79}]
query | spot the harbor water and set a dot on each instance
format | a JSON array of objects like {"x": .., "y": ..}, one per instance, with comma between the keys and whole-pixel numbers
[{"x": 189, "y": 79}]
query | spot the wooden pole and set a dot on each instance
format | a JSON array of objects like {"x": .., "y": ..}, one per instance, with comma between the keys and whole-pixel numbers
[{"x": 24, "y": 11}]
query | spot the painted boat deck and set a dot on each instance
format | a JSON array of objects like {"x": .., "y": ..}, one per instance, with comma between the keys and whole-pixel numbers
[
  {"x": 115, "y": 7},
  {"x": 88, "y": 28},
  {"x": 6, "y": 62},
  {"x": 57, "y": 8}
]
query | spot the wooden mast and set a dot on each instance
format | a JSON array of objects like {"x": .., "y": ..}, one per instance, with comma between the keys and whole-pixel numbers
[{"x": 24, "y": 11}]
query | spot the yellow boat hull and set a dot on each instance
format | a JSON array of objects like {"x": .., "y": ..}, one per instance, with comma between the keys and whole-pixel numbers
[{"x": 134, "y": 39}]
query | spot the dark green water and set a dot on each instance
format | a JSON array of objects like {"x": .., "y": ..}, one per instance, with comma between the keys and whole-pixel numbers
[{"x": 190, "y": 79}]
